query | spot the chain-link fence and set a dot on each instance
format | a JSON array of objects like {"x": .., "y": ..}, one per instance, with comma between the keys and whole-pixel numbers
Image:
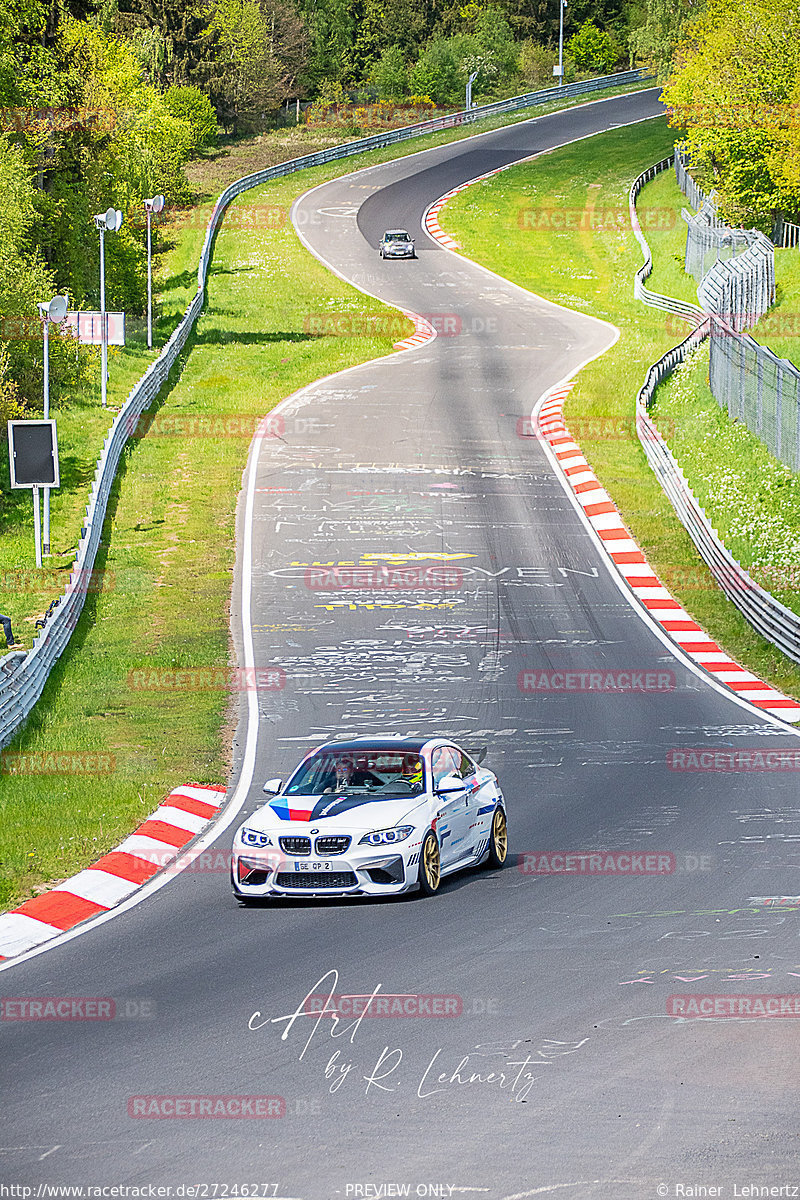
[
  {"x": 757, "y": 388},
  {"x": 784, "y": 233},
  {"x": 743, "y": 380},
  {"x": 741, "y": 289},
  {"x": 736, "y": 268},
  {"x": 691, "y": 190},
  {"x": 707, "y": 241}
]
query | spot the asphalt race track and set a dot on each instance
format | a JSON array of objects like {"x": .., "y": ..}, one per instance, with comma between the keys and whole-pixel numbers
[{"x": 560, "y": 1068}]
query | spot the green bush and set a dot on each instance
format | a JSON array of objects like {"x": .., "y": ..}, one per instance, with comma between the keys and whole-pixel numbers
[
  {"x": 536, "y": 64},
  {"x": 438, "y": 73},
  {"x": 191, "y": 105},
  {"x": 390, "y": 75},
  {"x": 594, "y": 49}
]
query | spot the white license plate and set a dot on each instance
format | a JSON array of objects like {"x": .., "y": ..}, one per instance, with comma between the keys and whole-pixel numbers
[{"x": 312, "y": 865}]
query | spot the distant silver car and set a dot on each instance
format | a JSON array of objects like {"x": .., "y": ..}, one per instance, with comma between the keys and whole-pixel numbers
[{"x": 397, "y": 243}]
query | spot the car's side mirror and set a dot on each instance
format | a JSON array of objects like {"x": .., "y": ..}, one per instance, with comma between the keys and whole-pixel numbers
[
  {"x": 450, "y": 784},
  {"x": 481, "y": 755},
  {"x": 273, "y": 786}
]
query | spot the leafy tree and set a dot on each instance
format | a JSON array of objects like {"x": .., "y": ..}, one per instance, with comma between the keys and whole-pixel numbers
[
  {"x": 370, "y": 40},
  {"x": 593, "y": 49},
  {"x": 24, "y": 280},
  {"x": 183, "y": 26},
  {"x": 390, "y": 75},
  {"x": 734, "y": 91},
  {"x": 331, "y": 25},
  {"x": 189, "y": 104},
  {"x": 438, "y": 73},
  {"x": 150, "y": 48},
  {"x": 495, "y": 54},
  {"x": 536, "y": 64},
  {"x": 539, "y": 19},
  {"x": 657, "y": 39},
  {"x": 259, "y": 52}
]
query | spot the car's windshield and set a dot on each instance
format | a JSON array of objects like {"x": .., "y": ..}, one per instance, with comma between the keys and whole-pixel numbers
[
  {"x": 397, "y": 237},
  {"x": 384, "y": 772}
]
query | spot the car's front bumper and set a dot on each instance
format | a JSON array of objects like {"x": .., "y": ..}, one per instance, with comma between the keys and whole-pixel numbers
[{"x": 361, "y": 871}]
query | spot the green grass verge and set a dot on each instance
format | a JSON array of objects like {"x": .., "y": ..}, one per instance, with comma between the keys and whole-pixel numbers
[
  {"x": 752, "y": 499},
  {"x": 665, "y": 231},
  {"x": 168, "y": 541},
  {"x": 591, "y": 267},
  {"x": 780, "y": 327},
  {"x": 167, "y": 560},
  {"x": 660, "y": 217},
  {"x": 82, "y": 424}
]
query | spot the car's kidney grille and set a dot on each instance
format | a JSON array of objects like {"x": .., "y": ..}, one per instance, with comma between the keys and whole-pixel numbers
[
  {"x": 325, "y": 846},
  {"x": 316, "y": 879},
  {"x": 295, "y": 845}
]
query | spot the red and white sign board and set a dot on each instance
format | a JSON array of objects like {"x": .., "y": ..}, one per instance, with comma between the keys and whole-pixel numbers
[{"x": 87, "y": 327}]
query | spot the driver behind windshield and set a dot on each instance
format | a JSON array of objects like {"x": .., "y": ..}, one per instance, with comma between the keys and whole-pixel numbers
[
  {"x": 386, "y": 773},
  {"x": 350, "y": 775}
]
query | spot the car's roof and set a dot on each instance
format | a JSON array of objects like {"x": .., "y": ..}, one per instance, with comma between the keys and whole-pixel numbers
[
  {"x": 389, "y": 232},
  {"x": 389, "y": 741}
]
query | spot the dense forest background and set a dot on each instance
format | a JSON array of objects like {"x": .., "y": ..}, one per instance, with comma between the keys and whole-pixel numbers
[{"x": 104, "y": 102}]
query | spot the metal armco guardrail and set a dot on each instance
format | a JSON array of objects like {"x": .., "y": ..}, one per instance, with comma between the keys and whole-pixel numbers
[
  {"x": 23, "y": 676},
  {"x": 736, "y": 268},
  {"x": 773, "y": 620},
  {"x": 690, "y": 312}
]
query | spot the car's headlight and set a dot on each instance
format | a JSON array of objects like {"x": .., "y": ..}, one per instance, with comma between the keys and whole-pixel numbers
[
  {"x": 253, "y": 837},
  {"x": 385, "y": 837}
]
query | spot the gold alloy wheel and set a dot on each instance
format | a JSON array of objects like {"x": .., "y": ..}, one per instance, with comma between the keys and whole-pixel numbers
[
  {"x": 431, "y": 865},
  {"x": 500, "y": 835}
]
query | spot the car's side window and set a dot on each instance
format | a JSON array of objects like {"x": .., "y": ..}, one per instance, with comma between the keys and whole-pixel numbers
[
  {"x": 445, "y": 761},
  {"x": 440, "y": 764},
  {"x": 467, "y": 768}
]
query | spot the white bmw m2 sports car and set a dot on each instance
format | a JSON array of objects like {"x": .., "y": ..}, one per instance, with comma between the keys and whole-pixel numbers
[{"x": 372, "y": 817}]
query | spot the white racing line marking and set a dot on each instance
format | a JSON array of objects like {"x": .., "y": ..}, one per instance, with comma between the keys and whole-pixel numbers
[
  {"x": 237, "y": 801},
  {"x": 240, "y": 794},
  {"x": 673, "y": 648},
  {"x": 420, "y": 324}
]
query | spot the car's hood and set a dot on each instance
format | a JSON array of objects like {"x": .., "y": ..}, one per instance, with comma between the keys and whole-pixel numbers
[{"x": 333, "y": 814}]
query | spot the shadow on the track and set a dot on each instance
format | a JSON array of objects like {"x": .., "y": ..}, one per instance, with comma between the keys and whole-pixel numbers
[{"x": 453, "y": 883}]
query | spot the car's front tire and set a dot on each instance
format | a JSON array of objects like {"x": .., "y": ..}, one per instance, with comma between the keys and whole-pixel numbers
[
  {"x": 498, "y": 840},
  {"x": 430, "y": 865}
]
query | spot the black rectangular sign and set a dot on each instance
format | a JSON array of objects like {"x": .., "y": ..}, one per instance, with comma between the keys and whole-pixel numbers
[{"x": 33, "y": 454}]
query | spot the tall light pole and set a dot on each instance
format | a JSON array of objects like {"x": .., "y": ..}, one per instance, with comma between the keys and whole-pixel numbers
[
  {"x": 55, "y": 311},
  {"x": 470, "y": 82},
  {"x": 561, "y": 6},
  {"x": 154, "y": 205},
  {"x": 107, "y": 222}
]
